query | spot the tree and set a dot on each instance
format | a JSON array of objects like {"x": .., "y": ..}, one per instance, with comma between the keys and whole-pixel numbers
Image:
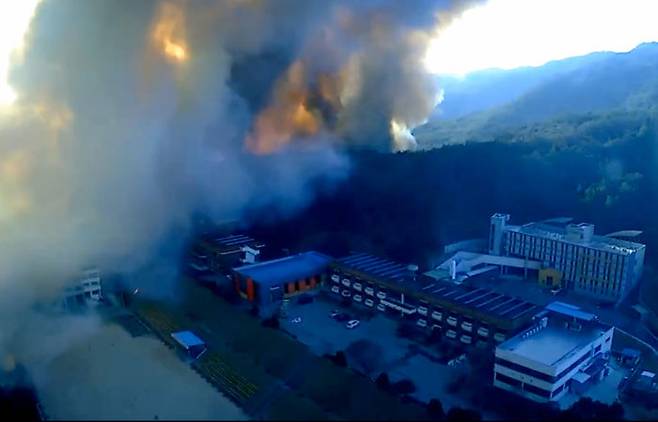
[
  {"x": 435, "y": 409},
  {"x": 383, "y": 382},
  {"x": 271, "y": 322},
  {"x": 365, "y": 355},
  {"x": 459, "y": 414},
  {"x": 405, "y": 386},
  {"x": 588, "y": 409},
  {"x": 405, "y": 329},
  {"x": 340, "y": 359}
]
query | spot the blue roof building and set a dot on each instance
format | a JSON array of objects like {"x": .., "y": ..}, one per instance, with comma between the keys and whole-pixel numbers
[
  {"x": 189, "y": 341},
  {"x": 267, "y": 283}
]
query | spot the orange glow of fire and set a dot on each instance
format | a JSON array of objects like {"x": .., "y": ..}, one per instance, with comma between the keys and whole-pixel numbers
[{"x": 168, "y": 33}]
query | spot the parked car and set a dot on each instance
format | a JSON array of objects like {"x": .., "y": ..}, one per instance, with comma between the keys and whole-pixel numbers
[
  {"x": 296, "y": 320},
  {"x": 333, "y": 313},
  {"x": 305, "y": 299},
  {"x": 352, "y": 324}
]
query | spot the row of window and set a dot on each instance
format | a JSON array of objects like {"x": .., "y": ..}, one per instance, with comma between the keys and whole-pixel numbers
[
  {"x": 576, "y": 263},
  {"x": 520, "y": 386},
  {"x": 540, "y": 375}
]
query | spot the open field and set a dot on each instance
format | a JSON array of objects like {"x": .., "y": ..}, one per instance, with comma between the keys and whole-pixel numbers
[
  {"x": 265, "y": 368},
  {"x": 111, "y": 375}
]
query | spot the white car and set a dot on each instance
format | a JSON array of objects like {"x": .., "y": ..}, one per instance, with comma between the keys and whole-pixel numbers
[
  {"x": 335, "y": 289},
  {"x": 422, "y": 310},
  {"x": 357, "y": 298},
  {"x": 381, "y": 307},
  {"x": 381, "y": 295},
  {"x": 356, "y": 286},
  {"x": 335, "y": 278},
  {"x": 352, "y": 324},
  {"x": 346, "y": 282},
  {"x": 421, "y": 323},
  {"x": 369, "y": 291},
  {"x": 369, "y": 302},
  {"x": 296, "y": 320},
  {"x": 345, "y": 293}
]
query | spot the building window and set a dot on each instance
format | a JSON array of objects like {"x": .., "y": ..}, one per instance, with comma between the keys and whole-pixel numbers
[
  {"x": 508, "y": 380},
  {"x": 523, "y": 370},
  {"x": 537, "y": 391}
]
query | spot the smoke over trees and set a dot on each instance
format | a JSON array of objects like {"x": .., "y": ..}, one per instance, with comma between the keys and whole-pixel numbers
[{"x": 131, "y": 118}]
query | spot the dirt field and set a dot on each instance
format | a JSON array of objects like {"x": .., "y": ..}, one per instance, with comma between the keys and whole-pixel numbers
[{"x": 111, "y": 375}]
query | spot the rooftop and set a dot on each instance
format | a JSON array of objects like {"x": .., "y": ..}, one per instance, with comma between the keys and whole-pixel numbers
[
  {"x": 554, "y": 343},
  {"x": 480, "y": 299},
  {"x": 375, "y": 266},
  {"x": 187, "y": 339},
  {"x": 233, "y": 241},
  {"x": 602, "y": 243},
  {"x": 283, "y": 270},
  {"x": 570, "y": 310}
]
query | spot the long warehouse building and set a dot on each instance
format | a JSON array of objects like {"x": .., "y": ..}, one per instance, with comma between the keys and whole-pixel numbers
[{"x": 469, "y": 315}]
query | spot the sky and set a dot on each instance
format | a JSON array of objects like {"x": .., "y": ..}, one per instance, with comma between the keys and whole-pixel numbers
[
  {"x": 15, "y": 18},
  {"x": 507, "y": 34}
]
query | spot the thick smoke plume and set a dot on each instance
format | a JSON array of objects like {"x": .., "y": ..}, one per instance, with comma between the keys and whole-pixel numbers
[{"x": 130, "y": 118}]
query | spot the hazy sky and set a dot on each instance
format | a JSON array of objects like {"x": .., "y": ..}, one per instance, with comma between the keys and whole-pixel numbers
[{"x": 512, "y": 33}]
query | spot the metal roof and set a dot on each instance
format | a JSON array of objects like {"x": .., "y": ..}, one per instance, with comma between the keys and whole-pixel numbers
[
  {"x": 233, "y": 240},
  {"x": 288, "y": 269},
  {"x": 187, "y": 339},
  {"x": 603, "y": 243},
  {"x": 570, "y": 310},
  {"x": 378, "y": 267},
  {"x": 481, "y": 300}
]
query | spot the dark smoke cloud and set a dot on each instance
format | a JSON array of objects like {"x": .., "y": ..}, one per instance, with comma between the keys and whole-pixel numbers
[{"x": 112, "y": 146}]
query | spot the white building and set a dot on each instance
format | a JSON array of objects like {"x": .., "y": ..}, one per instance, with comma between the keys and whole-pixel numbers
[
  {"x": 572, "y": 256},
  {"x": 85, "y": 291},
  {"x": 566, "y": 350}
]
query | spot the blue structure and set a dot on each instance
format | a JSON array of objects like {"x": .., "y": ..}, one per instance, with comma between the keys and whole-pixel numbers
[
  {"x": 570, "y": 310},
  {"x": 192, "y": 344},
  {"x": 266, "y": 284}
]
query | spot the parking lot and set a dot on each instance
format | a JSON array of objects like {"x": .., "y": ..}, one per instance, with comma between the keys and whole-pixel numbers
[
  {"x": 400, "y": 356},
  {"x": 326, "y": 335}
]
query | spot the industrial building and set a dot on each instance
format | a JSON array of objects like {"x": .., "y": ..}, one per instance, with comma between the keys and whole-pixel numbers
[
  {"x": 466, "y": 315},
  {"x": 87, "y": 290},
  {"x": 571, "y": 256},
  {"x": 221, "y": 253},
  {"x": 565, "y": 350},
  {"x": 267, "y": 284}
]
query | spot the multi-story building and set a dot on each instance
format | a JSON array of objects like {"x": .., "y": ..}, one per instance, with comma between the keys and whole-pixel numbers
[
  {"x": 572, "y": 256},
  {"x": 85, "y": 291},
  {"x": 566, "y": 350},
  {"x": 470, "y": 316},
  {"x": 221, "y": 253}
]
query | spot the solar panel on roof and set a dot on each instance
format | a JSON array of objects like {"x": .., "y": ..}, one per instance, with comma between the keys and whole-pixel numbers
[
  {"x": 361, "y": 258},
  {"x": 469, "y": 293},
  {"x": 503, "y": 303},
  {"x": 484, "y": 295},
  {"x": 487, "y": 302},
  {"x": 352, "y": 258},
  {"x": 376, "y": 264},
  {"x": 362, "y": 262},
  {"x": 379, "y": 267},
  {"x": 396, "y": 271},
  {"x": 511, "y": 308},
  {"x": 527, "y": 307}
]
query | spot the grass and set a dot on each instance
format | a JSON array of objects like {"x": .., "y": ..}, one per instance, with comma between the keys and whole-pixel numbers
[{"x": 256, "y": 365}]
